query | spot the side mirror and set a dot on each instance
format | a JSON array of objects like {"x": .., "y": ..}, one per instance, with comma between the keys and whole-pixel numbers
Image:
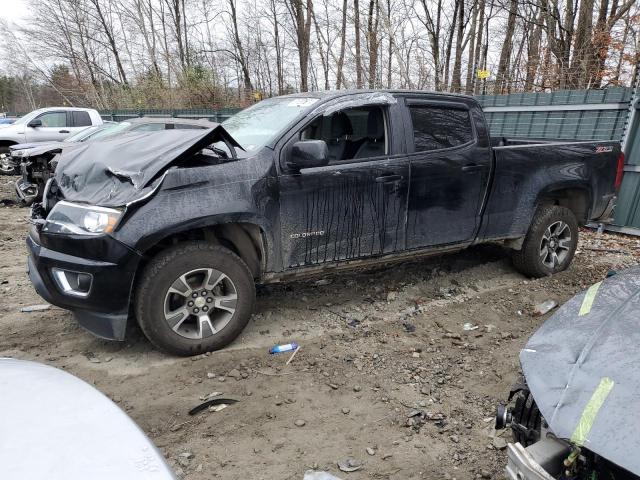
[
  {"x": 35, "y": 123},
  {"x": 308, "y": 154}
]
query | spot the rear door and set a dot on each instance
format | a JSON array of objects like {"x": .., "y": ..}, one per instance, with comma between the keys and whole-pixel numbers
[
  {"x": 450, "y": 165},
  {"x": 77, "y": 121},
  {"x": 356, "y": 206}
]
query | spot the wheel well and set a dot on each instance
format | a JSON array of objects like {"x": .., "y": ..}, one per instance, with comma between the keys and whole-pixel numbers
[
  {"x": 7, "y": 143},
  {"x": 244, "y": 239},
  {"x": 575, "y": 199}
]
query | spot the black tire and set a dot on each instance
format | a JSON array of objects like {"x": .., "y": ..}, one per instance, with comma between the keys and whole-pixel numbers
[
  {"x": 526, "y": 422},
  {"x": 530, "y": 260},
  {"x": 153, "y": 296}
]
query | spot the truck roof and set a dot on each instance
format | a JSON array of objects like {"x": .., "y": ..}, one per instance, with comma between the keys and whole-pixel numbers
[
  {"x": 76, "y": 109},
  {"x": 327, "y": 94}
]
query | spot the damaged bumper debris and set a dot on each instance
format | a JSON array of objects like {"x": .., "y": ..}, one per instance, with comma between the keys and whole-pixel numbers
[
  {"x": 575, "y": 414},
  {"x": 26, "y": 191}
]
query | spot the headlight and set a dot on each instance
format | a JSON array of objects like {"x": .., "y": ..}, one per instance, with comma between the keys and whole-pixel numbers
[
  {"x": 67, "y": 217},
  {"x": 18, "y": 153}
]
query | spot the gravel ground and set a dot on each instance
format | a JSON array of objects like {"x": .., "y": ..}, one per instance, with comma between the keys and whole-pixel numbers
[{"x": 376, "y": 347}]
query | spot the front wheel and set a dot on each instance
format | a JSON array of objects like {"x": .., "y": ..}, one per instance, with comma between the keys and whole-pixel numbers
[
  {"x": 194, "y": 297},
  {"x": 550, "y": 243}
]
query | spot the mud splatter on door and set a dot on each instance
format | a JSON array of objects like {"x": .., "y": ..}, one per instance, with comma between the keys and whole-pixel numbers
[{"x": 343, "y": 212}]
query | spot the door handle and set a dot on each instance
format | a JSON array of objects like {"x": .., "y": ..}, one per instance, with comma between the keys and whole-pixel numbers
[
  {"x": 472, "y": 167},
  {"x": 388, "y": 178},
  {"x": 63, "y": 131}
]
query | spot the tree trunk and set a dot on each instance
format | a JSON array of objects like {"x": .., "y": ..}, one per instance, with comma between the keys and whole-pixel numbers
[
  {"x": 372, "y": 34},
  {"x": 276, "y": 40},
  {"x": 356, "y": 25},
  {"x": 343, "y": 39},
  {"x": 112, "y": 43},
  {"x": 476, "y": 58},
  {"x": 582, "y": 62},
  {"x": 456, "y": 80},
  {"x": 507, "y": 47},
  {"x": 450, "y": 44},
  {"x": 241, "y": 58},
  {"x": 471, "y": 64},
  {"x": 302, "y": 25},
  {"x": 533, "y": 51}
]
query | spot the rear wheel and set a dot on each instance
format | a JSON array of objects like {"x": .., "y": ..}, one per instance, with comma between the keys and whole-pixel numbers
[
  {"x": 194, "y": 297},
  {"x": 550, "y": 243}
]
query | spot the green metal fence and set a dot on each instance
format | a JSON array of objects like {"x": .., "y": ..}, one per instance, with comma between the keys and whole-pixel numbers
[
  {"x": 565, "y": 114},
  {"x": 627, "y": 214}
]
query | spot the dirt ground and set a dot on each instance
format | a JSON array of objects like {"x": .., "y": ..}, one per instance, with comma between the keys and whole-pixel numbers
[{"x": 375, "y": 346}]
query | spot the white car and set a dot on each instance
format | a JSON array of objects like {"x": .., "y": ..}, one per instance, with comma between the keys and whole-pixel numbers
[
  {"x": 46, "y": 125},
  {"x": 57, "y": 427}
]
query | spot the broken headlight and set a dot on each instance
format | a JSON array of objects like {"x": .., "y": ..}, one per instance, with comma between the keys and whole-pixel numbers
[
  {"x": 18, "y": 153},
  {"x": 67, "y": 217}
]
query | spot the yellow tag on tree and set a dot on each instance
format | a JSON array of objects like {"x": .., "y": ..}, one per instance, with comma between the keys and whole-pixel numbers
[{"x": 482, "y": 74}]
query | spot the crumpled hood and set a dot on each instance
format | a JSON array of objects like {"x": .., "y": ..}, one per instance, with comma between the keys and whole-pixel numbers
[
  {"x": 582, "y": 367},
  {"x": 115, "y": 171}
]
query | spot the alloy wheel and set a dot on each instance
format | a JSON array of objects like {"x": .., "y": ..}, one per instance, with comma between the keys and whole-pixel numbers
[
  {"x": 200, "y": 303},
  {"x": 555, "y": 244}
]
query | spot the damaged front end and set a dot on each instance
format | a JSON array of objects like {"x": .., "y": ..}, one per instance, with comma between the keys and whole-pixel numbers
[
  {"x": 573, "y": 415},
  {"x": 37, "y": 166},
  {"x": 76, "y": 244}
]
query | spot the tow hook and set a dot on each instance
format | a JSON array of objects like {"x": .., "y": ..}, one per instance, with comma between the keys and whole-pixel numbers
[{"x": 503, "y": 417}]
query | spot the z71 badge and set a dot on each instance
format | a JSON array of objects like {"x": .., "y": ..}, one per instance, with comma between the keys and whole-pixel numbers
[
  {"x": 307, "y": 234},
  {"x": 603, "y": 149}
]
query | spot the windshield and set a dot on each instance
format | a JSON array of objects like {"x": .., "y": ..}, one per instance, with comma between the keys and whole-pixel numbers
[
  {"x": 27, "y": 118},
  {"x": 257, "y": 125}
]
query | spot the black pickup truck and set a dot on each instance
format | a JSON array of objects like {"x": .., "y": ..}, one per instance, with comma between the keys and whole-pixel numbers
[{"x": 175, "y": 228}]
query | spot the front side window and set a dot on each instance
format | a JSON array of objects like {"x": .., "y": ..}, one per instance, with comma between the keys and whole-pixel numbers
[
  {"x": 350, "y": 134},
  {"x": 436, "y": 128},
  {"x": 53, "y": 119}
]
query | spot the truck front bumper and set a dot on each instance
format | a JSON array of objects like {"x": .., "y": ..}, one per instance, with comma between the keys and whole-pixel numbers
[{"x": 97, "y": 292}]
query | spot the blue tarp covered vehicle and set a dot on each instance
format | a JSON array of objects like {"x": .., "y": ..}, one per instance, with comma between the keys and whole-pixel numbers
[{"x": 575, "y": 415}]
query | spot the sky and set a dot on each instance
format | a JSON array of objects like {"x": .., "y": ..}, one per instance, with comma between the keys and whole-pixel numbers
[{"x": 13, "y": 10}]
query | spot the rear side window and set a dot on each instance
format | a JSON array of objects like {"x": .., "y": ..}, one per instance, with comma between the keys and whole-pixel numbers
[
  {"x": 81, "y": 119},
  {"x": 435, "y": 128}
]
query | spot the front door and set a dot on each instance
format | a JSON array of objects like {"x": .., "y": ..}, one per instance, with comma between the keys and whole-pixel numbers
[
  {"x": 449, "y": 173},
  {"x": 353, "y": 208},
  {"x": 55, "y": 126}
]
